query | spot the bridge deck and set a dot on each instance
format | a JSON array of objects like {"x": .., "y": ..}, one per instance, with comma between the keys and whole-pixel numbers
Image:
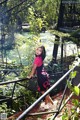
[{"x": 45, "y": 116}]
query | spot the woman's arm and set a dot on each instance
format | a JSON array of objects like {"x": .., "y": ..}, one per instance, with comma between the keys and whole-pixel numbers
[{"x": 32, "y": 71}]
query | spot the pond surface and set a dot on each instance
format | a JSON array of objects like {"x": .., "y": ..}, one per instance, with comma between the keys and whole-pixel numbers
[{"x": 47, "y": 39}]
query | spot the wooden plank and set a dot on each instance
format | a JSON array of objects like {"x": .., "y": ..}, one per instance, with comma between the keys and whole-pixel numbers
[{"x": 42, "y": 113}]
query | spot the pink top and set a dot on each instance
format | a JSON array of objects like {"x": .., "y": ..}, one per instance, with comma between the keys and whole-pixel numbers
[{"x": 38, "y": 61}]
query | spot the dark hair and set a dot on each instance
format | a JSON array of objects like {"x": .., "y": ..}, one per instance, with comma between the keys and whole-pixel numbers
[{"x": 43, "y": 55}]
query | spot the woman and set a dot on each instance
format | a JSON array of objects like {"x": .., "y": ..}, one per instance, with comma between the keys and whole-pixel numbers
[{"x": 43, "y": 79}]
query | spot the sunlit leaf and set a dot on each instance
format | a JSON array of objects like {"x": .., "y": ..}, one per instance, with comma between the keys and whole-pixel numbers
[
  {"x": 76, "y": 90},
  {"x": 75, "y": 102},
  {"x": 69, "y": 84},
  {"x": 73, "y": 74},
  {"x": 65, "y": 117}
]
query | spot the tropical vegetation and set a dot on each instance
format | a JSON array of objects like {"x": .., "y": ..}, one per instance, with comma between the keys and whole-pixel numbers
[{"x": 21, "y": 22}]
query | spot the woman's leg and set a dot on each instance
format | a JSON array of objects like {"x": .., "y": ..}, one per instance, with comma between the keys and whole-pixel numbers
[{"x": 48, "y": 99}]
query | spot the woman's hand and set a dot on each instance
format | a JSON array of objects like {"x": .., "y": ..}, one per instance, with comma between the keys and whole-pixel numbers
[{"x": 29, "y": 77}]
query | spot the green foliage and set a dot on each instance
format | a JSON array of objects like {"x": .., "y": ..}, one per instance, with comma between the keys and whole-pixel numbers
[
  {"x": 73, "y": 114},
  {"x": 39, "y": 14},
  {"x": 65, "y": 115},
  {"x": 59, "y": 33},
  {"x": 75, "y": 36},
  {"x": 24, "y": 49},
  {"x": 69, "y": 83},
  {"x": 76, "y": 90},
  {"x": 75, "y": 102},
  {"x": 4, "y": 108},
  {"x": 73, "y": 74},
  {"x": 36, "y": 23},
  {"x": 28, "y": 97},
  {"x": 43, "y": 14}
]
